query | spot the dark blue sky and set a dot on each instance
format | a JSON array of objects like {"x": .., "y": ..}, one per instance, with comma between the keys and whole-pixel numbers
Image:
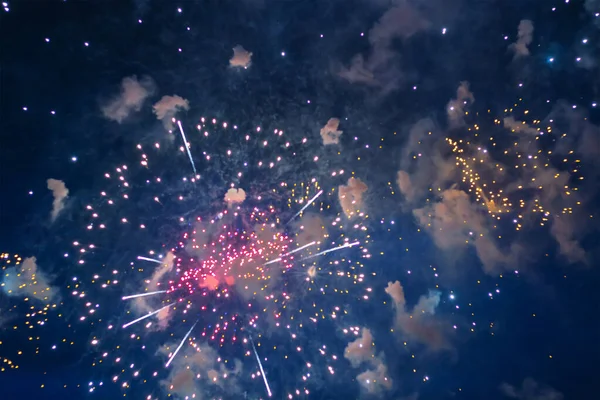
[{"x": 542, "y": 324}]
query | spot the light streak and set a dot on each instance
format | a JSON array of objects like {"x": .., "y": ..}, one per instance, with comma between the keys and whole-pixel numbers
[
  {"x": 291, "y": 252},
  {"x": 149, "y": 259},
  {"x": 262, "y": 371},
  {"x": 330, "y": 250},
  {"x": 146, "y": 316},
  {"x": 305, "y": 206},
  {"x": 133, "y": 296},
  {"x": 181, "y": 344},
  {"x": 185, "y": 143}
]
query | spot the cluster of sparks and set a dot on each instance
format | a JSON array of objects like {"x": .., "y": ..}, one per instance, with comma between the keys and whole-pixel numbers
[
  {"x": 524, "y": 160},
  {"x": 249, "y": 277}
]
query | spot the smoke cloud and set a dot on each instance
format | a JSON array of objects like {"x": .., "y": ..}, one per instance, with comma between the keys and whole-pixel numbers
[
  {"x": 456, "y": 108},
  {"x": 197, "y": 369},
  {"x": 530, "y": 390},
  {"x": 132, "y": 97},
  {"x": 235, "y": 196},
  {"x": 26, "y": 280},
  {"x": 524, "y": 39},
  {"x": 419, "y": 324},
  {"x": 241, "y": 58},
  {"x": 166, "y": 108},
  {"x": 144, "y": 305},
  {"x": 361, "y": 353},
  {"x": 60, "y": 193},
  {"x": 351, "y": 196},
  {"x": 330, "y": 133},
  {"x": 381, "y": 67}
]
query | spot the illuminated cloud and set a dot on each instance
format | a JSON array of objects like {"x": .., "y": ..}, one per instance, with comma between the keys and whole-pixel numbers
[
  {"x": 520, "y": 127},
  {"x": 361, "y": 352},
  {"x": 132, "y": 97},
  {"x": 166, "y": 108},
  {"x": 455, "y": 221},
  {"x": 381, "y": 67},
  {"x": 235, "y": 196},
  {"x": 456, "y": 108},
  {"x": 351, "y": 196},
  {"x": 424, "y": 162},
  {"x": 524, "y": 39},
  {"x": 310, "y": 228},
  {"x": 241, "y": 58},
  {"x": 419, "y": 323},
  {"x": 26, "y": 280},
  {"x": 405, "y": 185},
  {"x": 530, "y": 390},
  {"x": 60, "y": 193},
  {"x": 197, "y": 369},
  {"x": 330, "y": 133},
  {"x": 157, "y": 281}
]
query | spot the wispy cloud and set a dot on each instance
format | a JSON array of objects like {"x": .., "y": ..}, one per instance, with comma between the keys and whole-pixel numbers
[
  {"x": 27, "y": 280},
  {"x": 361, "y": 354},
  {"x": 457, "y": 108},
  {"x": 530, "y": 390},
  {"x": 351, "y": 196},
  {"x": 198, "y": 369},
  {"x": 157, "y": 281},
  {"x": 381, "y": 67},
  {"x": 524, "y": 39},
  {"x": 419, "y": 323},
  {"x": 60, "y": 194},
  {"x": 457, "y": 191}
]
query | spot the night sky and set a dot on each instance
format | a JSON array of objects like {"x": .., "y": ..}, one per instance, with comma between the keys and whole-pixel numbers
[{"x": 380, "y": 199}]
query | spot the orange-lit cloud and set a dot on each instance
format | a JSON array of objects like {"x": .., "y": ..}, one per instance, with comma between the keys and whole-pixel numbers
[
  {"x": 132, "y": 97},
  {"x": 241, "y": 58}
]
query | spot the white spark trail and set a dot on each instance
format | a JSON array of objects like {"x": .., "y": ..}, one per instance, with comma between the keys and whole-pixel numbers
[
  {"x": 146, "y": 316},
  {"x": 181, "y": 344},
  {"x": 133, "y": 296},
  {"x": 262, "y": 371},
  {"x": 291, "y": 252},
  {"x": 305, "y": 206},
  {"x": 185, "y": 143},
  {"x": 149, "y": 259},
  {"x": 330, "y": 250}
]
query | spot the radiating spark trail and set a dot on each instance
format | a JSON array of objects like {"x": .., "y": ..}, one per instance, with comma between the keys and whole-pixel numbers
[
  {"x": 181, "y": 344},
  {"x": 149, "y": 259},
  {"x": 185, "y": 143},
  {"x": 291, "y": 252},
  {"x": 262, "y": 371},
  {"x": 305, "y": 206},
  {"x": 133, "y": 296},
  {"x": 330, "y": 250},
  {"x": 147, "y": 315}
]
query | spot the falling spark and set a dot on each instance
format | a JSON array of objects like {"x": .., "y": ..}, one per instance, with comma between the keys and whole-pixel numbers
[
  {"x": 146, "y": 316},
  {"x": 185, "y": 143},
  {"x": 181, "y": 344},
  {"x": 307, "y": 204},
  {"x": 330, "y": 250},
  {"x": 262, "y": 371},
  {"x": 133, "y": 296},
  {"x": 291, "y": 252},
  {"x": 149, "y": 259}
]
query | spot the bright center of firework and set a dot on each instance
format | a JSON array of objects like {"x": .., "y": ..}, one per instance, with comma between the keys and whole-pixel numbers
[
  {"x": 242, "y": 259},
  {"x": 312, "y": 271}
]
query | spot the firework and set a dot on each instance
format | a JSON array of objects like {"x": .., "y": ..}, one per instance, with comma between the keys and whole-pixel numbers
[{"x": 242, "y": 258}]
